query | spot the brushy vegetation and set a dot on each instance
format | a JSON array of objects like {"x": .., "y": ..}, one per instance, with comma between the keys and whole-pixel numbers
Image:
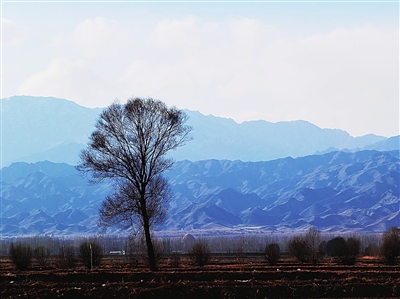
[
  {"x": 272, "y": 254},
  {"x": 336, "y": 247},
  {"x": 352, "y": 250},
  {"x": 297, "y": 247},
  {"x": 42, "y": 255},
  {"x": 308, "y": 247},
  {"x": 390, "y": 249},
  {"x": 90, "y": 254},
  {"x": 175, "y": 259},
  {"x": 66, "y": 257},
  {"x": 346, "y": 251},
  {"x": 239, "y": 248},
  {"x": 21, "y": 255},
  {"x": 313, "y": 241},
  {"x": 200, "y": 252}
]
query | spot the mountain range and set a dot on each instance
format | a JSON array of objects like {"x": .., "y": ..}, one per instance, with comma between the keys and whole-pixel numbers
[
  {"x": 44, "y": 128},
  {"x": 274, "y": 176},
  {"x": 336, "y": 191}
]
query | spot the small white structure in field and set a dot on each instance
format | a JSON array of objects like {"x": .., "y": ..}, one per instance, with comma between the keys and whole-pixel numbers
[
  {"x": 117, "y": 252},
  {"x": 187, "y": 241}
]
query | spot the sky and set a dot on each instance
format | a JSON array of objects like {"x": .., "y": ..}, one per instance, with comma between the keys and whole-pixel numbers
[{"x": 332, "y": 63}]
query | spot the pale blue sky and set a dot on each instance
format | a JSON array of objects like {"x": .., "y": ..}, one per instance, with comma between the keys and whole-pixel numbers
[{"x": 333, "y": 64}]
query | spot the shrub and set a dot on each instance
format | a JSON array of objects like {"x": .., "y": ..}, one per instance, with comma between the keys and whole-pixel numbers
[
  {"x": 239, "y": 247},
  {"x": 371, "y": 250},
  {"x": 322, "y": 248},
  {"x": 175, "y": 259},
  {"x": 134, "y": 251},
  {"x": 336, "y": 247},
  {"x": 133, "y": 259},
  {"x": 200, "y": 253},
  {"x": 352, "y": 250},
  {"x": 298, "y": 248},
  {"x": 21, "y": 255},
  {"x": 272, "y": 253},
  {"x": 42, "y": 255},
  {"x": 390, "y": 248},
  {"x": 66, "y": 257},
  {"x": 345, "y": 250},
  {"x": 313, "y": 241},
  {"x": 90, "y": 254}
]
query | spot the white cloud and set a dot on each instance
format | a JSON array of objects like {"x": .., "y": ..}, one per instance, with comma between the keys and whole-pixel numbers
[
  {"x": 172, "y": 34},
  {"x": 95, "y": 39},
  {"x": 192, "y": 62},
  {"x": 100, "y": 38},
  {"x": 350, "y": 79},
  {"x": 338, "y": 79},
  {"x": 241, "y": 68},
  {"x": 13, "y": 34},
  {"x": 73, "y": 80}
]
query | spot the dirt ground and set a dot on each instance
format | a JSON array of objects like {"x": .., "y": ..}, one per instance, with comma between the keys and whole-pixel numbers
[{"x": 224, "y": 277}]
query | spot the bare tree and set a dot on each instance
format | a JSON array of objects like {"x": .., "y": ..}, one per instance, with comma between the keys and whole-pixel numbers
[
  {"x": 200, "y": 252},
  {"x": 306, "y": 248},
  {"x": 272, "y": 253},
  {"x": 129, "y": 146},
  {"x": 297, "y": 247},
  {"x": 390, "y": 248},
  {"x": 313, "y": 240}
]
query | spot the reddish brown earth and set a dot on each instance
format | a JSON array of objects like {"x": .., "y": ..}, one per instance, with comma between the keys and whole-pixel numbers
[{"x": 223, "y": 278}]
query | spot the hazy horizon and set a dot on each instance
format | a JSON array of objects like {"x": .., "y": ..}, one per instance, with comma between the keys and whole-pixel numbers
[{"x": 212, "y": 115}]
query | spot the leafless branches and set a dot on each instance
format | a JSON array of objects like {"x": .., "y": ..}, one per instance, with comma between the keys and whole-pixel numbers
[{"x": 129, "y": 145}]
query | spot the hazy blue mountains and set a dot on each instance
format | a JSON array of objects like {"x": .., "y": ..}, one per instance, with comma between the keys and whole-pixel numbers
[
  {"x": 337, "y": 191},
  {"x": 254, "y": 174},
  {"x": 38, "y": 128},
  {"x": 48, "y": 197},
  {"x": 221, "y": 138}
]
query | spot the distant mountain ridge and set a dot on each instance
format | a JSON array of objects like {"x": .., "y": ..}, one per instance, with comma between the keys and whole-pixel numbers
[
  {"x": 44, "y": 128},
  {"x": 337, "y": 191}
]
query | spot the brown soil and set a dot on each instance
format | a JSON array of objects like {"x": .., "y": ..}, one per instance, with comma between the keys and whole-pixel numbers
[{"x": 223, "y": 278}]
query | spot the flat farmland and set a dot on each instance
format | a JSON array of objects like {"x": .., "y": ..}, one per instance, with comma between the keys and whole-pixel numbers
[{"x": 223, "y": 277}]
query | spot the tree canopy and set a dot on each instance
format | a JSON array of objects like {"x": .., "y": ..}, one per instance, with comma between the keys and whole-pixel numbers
[{"x": 130, "y": 146}]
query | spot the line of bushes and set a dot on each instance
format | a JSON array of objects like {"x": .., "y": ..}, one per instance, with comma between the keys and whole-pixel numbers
[
  {"x": 21, "y": 255},
  {"x": 306, "y": 248},
  {"x": 309, "y": 248}
]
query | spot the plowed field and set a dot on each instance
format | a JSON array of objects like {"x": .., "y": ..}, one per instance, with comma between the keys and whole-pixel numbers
[{"x": 222, "y": 278}]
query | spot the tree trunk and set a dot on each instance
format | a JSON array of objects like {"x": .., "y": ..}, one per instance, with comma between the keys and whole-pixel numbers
[
  {"x": 150, "y": 248},
  {"x": 146, "y": 226}
]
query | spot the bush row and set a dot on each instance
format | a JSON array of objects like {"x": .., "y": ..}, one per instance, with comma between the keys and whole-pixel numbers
[
  {"x": 306, "y": 248},
  {"x": 309, "y": 248},
  {"x": 21, "y": 254}
]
